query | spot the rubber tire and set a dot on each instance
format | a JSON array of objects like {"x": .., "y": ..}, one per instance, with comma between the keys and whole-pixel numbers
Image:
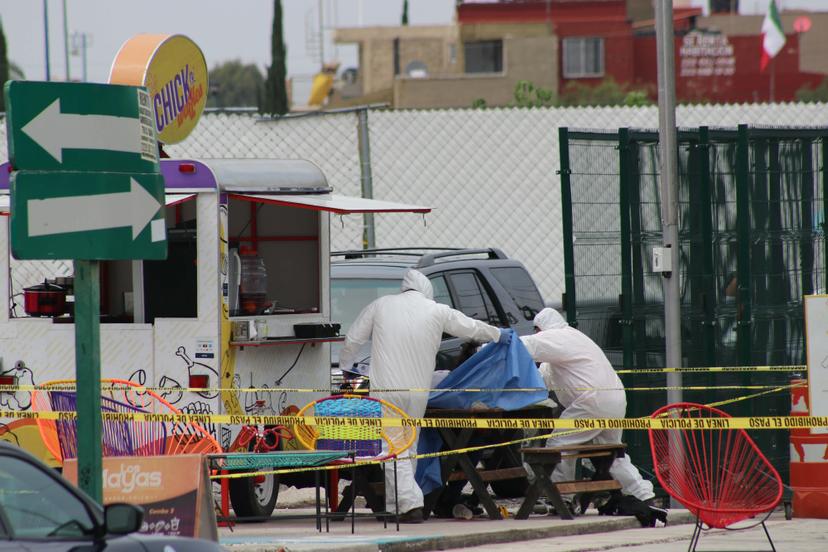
[{"x": 244, "y": 501}]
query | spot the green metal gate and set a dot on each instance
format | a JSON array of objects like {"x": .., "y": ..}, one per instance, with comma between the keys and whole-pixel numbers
[{"x": 752, "y": 243}]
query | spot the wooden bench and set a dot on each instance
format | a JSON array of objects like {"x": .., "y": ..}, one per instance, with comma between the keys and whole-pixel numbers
[{"x": 543, "y": 461}]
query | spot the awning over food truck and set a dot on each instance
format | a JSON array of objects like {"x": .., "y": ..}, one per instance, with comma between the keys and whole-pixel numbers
[{"x": 337, "y": 204}]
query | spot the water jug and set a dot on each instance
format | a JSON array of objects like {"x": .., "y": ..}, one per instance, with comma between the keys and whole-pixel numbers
[{"x": 253, "y": 282}]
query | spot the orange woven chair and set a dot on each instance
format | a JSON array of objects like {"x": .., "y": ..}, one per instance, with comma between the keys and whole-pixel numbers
[
  {"x": 718, "y": 474},
  {"x": 120, "y": 438},
  {"x": 367, "y": 442}
]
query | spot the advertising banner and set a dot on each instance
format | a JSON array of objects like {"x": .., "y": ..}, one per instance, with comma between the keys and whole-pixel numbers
[{"x": 173, "y": 490}]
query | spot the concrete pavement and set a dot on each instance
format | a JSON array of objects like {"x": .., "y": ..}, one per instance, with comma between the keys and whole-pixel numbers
[
  {"x": 434, "y": 534},
  {"x": 542, "y": 533},
  {"x": 796, "y": 535}
]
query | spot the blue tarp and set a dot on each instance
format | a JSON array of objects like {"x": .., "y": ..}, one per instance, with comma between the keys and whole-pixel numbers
[{"x": 495, "y": 366}]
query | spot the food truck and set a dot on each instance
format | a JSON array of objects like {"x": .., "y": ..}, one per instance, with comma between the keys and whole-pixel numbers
[{"x": 241, "y": 301}]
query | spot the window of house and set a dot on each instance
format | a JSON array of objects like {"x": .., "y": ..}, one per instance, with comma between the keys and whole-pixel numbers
[
  {"x": 583, "y": 57},
  {"x": 485, "y": 56}
]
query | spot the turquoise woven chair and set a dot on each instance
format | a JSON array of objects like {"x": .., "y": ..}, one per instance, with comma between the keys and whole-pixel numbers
[{"x": 364, "y": 442}]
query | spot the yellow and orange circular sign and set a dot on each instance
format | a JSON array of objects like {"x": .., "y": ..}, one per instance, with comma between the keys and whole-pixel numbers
[{"x": 173, "y": 68}]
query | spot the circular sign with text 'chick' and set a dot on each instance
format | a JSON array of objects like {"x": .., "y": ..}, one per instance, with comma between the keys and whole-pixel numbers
[{"x": 173, "y": 68}]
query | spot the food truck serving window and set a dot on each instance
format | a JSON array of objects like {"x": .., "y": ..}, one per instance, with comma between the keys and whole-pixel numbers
[
  {"x": 274, "y": 257},
  {"x": 170, "y": 286}
]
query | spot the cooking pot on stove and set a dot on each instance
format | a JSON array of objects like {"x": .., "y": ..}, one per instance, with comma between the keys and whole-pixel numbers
[{"x": 44, "y": 300}]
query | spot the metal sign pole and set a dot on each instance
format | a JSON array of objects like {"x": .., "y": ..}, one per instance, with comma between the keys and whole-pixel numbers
[
  {"x": 88, "y": 377},
  {"x": 668, "y": 151}
]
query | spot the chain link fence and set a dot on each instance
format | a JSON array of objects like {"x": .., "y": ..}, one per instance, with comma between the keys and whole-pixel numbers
[
  {"x": 490, "y": 174},
  {"x": 752, "y": 243}
]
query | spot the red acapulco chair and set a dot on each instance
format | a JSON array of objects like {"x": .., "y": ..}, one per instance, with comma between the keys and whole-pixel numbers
[
  {"x": 717, "y": 473},
  {"x": 120, "y": 438}
]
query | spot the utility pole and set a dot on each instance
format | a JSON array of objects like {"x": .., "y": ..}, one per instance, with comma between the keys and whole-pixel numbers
[
  {"x": 668, "y": 152},
  {"x": 321, "y": 35},
  {"x": 66, "y": 40},
  {"x": 46, "y": 37},
  {"x": 80, "y": 43}
]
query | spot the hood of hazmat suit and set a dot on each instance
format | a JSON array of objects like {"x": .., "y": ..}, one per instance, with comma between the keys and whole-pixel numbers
[
  {"x": 414, "y": 280},
  {"x": 405, "y": 331},
  {"x": 549, "y": 319},
  {"x": 582, "y": 375}
]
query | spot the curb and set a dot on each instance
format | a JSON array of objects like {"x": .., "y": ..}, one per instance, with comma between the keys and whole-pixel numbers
[
  {"x": 518, "y": 535},
  {"x": 445, "y": 542}
]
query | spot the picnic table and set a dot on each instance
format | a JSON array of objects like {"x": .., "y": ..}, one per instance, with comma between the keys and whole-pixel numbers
[{"x": 461, "y": 466}]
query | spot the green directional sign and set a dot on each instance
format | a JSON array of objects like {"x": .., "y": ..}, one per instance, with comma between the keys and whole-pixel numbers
[
  {"x": 80, "y": 126},
  {"x": 89, "y": 216}
]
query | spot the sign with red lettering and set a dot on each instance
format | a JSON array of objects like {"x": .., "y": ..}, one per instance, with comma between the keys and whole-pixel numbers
[{"x": 174, "y": 71}]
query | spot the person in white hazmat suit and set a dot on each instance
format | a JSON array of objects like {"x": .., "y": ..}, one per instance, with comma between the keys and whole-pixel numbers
[
  {"x": 587, "y": 387},
  {"x": 405, "y": 331}
]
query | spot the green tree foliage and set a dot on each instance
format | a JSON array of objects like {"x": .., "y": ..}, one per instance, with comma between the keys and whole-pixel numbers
[
  {"x": 16, "y": 72},
  {"x": 607, "y": 92},
  {"x": 528, "y": 95},
  {"x": 811, "y": 95},
  {"x": 233, "y": 84},
  {"x": 405, "y": 13},
  {"x": 4, "y": 66},
  {"x": 275, "y": 92}
]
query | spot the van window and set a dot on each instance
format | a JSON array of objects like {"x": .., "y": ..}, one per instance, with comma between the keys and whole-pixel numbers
[
  {"x": 350, "y": 295},
  {"x": 441, "y": 290},
  {"x": 521, "y": 289},
  {"x": 472, "y": 298}
]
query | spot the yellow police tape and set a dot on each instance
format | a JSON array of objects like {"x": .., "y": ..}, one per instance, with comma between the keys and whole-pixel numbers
[
  {"x": 760, "y": 422},
  {"x": 753, "y": 422},
  {"x": 466, "y": 450}
]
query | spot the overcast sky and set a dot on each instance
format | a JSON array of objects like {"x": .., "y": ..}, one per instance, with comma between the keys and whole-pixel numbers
[{"x": 224, "y": 29}]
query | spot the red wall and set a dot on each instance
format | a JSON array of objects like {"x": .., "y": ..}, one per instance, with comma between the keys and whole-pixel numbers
[
  {"x": 746, "y": 84},
  {"x": 632, "y": 59},
  {"x": 536, "y": 12}
]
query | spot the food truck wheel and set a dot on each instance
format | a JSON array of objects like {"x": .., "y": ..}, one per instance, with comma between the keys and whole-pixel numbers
[{"x": 254, "y": 496}]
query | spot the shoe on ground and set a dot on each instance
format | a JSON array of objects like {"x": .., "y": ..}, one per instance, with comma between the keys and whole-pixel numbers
[
  {"x": 600, "y": 499},
  {"x": 657, "y": 513},
  {"x": 461, "y": 511},
  {"x": 412, "y": 516}
]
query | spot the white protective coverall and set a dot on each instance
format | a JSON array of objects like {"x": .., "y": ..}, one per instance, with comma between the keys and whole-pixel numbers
[
  {"x": 587, "y": 387},
  {"x": 405, "y": 332}
]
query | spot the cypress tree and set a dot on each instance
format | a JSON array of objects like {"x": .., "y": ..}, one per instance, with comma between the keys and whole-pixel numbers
[
  {"x": 275, "y": 94},
  {"x": 4, "y": 66}
]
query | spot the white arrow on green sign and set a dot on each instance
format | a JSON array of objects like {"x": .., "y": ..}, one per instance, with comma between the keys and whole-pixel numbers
[
  {"x": 80, "y": 126},
  {"x": 90, "y": 216},
  {"x": 53, "y": 130}
]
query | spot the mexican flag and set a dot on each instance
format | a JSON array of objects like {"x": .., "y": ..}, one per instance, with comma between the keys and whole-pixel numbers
[{"x": 773, "y": 37}]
